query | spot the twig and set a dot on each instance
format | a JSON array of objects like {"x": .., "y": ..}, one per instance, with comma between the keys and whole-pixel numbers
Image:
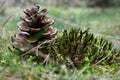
[
  {"x": 102, "y": 59},
  {"x": 2, "y": 4},
  {"x": 6, "y": 21},
  {"x": 44, "y": 75},
  {"x": 30, "y": 50},
  {"x": 103, "y": 68},
  {"x": 39, "y": 53},
  {"x": 47, "y": 59}
]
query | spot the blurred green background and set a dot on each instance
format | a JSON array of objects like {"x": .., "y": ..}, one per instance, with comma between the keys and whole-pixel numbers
[{"x": 101, "y": 16}]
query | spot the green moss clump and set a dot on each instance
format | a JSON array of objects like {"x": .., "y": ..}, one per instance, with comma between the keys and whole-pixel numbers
[{"x": 78, "y": 48}]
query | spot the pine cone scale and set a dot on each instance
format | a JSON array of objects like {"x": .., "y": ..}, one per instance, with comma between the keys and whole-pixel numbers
[
  {"x": 23, "y": 26},
  {"x": 22, "y": 36}
]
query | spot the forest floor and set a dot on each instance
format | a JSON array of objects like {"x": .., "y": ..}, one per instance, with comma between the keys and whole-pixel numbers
[{"x": 103, "y": 24}]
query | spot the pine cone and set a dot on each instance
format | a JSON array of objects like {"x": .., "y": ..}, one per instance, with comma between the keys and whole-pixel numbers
[{"x": 34, "y": 29}]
